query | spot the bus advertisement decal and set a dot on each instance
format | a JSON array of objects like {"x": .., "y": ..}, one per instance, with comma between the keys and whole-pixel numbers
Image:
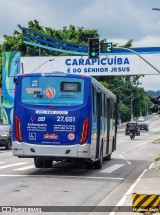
[
  {"x": 64, "y": 128},
  {"x": 33, "y": 90},
  {"x": 71, "y": 136},
  {"x": 36, "y": 127},
  {"x": 34, "y": 81},
  {"x": 32, "y": 136},
  {"x": 51, "y": 112},
  {"x": 49, "y": 92},
  {"x": 50, "y": 136}
]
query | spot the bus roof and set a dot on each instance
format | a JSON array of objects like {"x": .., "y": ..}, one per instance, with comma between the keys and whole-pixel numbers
[
  {"x": 103, "y": 89},
  {"x": 50, "y": 74}
]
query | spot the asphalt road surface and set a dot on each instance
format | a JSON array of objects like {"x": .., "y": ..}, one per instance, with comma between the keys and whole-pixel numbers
[{"x": 70, "y": 184}]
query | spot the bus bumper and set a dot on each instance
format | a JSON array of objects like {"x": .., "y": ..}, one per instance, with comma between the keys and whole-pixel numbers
[{"x": 68, "y": 151}]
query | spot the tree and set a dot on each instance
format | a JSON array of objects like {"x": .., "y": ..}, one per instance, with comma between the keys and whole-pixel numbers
[
  {"x": 71, "y": 33},
  {"x": 125, "y": 113}
]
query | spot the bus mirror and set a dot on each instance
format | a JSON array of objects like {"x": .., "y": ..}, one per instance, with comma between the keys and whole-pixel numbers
[{"x": 15, "y": 81}]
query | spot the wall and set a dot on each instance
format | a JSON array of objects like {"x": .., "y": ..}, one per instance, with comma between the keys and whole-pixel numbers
[{"x": 10, "y": 69}]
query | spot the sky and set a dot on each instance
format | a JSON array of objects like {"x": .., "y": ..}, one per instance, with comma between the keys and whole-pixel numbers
[{"x": 118, "y": 21}]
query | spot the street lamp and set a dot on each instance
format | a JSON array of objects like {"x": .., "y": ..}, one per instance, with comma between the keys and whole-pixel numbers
[
  {"x": 158, "y": 9},
  {"x": 132, "y": 104},
  {"x": 118, "y": 88},
  {"x": 42, "y": 64}
]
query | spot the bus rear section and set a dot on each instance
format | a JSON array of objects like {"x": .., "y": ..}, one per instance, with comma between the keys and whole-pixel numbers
[{"x": 52, "y": 117}]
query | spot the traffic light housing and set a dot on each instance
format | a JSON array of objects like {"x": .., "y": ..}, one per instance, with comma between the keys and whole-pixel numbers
[
  {"x": 93, "y": 48},
  {"x": 154, "y": 109},
  {"x": 156, "y": 104},
  {"x": 106, "y": 47}
]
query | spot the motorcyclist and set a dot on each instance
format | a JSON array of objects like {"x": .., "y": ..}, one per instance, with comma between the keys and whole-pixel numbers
[{"x": 132, "y": 131}]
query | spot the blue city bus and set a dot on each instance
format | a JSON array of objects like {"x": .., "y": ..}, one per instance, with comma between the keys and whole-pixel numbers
[{"x": 60, "y": 116}]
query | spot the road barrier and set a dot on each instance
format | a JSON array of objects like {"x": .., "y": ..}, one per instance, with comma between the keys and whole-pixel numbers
[{"x": 146, "y": 204}]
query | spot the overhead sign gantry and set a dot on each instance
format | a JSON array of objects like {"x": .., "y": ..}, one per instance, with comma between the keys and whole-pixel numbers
[{"x": 95, "y": 59}]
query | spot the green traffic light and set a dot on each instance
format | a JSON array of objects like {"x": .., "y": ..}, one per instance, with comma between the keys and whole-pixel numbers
[
  {"x": 93, "y": 54},
  {"x": 93, "y": 48}
]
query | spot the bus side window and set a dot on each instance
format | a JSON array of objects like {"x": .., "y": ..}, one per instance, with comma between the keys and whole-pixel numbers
[
  {"x": 114, "y": 115},
  {"x": 114, "y": 111},
  {"x": 93, "y": 109},
  {"x": 94, "y": 100},
  {"x": 102, "y": 105},
  {"x": 105, "y": 105},
  {"x": 108, "y": 108},
  {"x": 112, "y": 108}
]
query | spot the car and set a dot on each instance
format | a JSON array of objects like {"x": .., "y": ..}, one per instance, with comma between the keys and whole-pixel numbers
[
  {"x": 144, "y": 126},
  {"x": 141, "y": 119},
  {"x": 6, "y": 136},
  {"x": 132, "y": 124}
]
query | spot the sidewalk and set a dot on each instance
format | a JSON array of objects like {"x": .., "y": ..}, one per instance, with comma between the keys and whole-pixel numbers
[{"x": 148, "y": 184}]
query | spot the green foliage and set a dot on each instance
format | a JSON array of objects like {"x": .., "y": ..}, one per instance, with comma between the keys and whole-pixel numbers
[
  {"x": 71, "y": 33},
  {"x": 105, "y": 84},
  {"x": 157, "y": 158},
  {"x": 125, "y": 113},
  {"x": 15, "y": 42},
  {"x": 128, "y": 44},
  {"x": 127, "y": 92}
]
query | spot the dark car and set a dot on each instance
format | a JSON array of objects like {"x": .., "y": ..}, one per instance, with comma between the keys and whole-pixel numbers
[
  {"x": 6, "y": 136},
  {"x": 144, "y": 126},
  {"x": 133, "y": 125}
]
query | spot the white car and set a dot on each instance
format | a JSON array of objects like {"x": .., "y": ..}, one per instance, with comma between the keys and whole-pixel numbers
[{"x": 141, "y": 119}]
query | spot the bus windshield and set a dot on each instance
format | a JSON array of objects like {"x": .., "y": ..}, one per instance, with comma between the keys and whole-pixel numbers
[{"x": 57, "y": 91}]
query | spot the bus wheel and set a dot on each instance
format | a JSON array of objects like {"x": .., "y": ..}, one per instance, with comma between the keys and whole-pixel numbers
[
  {"x": 88, "y": 165},
  {"x": 38, "y": 163},
  {"x": 47, "y": 163},
  {"x": 108, "y": 157},
  {"x": 98, "y": 164}
]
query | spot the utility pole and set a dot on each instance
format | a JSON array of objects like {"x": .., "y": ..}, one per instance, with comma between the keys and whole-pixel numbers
[
  {"x": 132, "y": 104},
  {"x": 131, "y": 108}
]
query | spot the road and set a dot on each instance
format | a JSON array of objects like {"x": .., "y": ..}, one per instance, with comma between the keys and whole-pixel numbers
[{"x": 70, "y": 184}]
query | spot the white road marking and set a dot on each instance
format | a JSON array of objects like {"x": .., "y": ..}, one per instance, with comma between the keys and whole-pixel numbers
[
  {"x": 123, "y": 199},
  {"x": 135, "y": 147},
  {"x": 26, "y": 167},
  {"x": 128, "y": 162},
  {"x": 138, "y": 146},
  {"x": 1, "y": 162},
  {"x": 112, "y": 168},
  {"x": 10, "y": 165},
  {"x": 65, "y": 176}
]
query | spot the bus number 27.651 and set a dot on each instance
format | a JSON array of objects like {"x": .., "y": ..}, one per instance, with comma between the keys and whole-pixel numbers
[{"x": 66, "y": 119}]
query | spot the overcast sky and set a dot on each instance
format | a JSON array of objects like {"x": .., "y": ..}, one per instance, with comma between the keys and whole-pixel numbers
[{"x": 116, "y": 20}]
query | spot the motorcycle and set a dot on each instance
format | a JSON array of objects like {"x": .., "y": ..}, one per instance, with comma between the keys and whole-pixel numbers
[{"x": 132, "y": 134}]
